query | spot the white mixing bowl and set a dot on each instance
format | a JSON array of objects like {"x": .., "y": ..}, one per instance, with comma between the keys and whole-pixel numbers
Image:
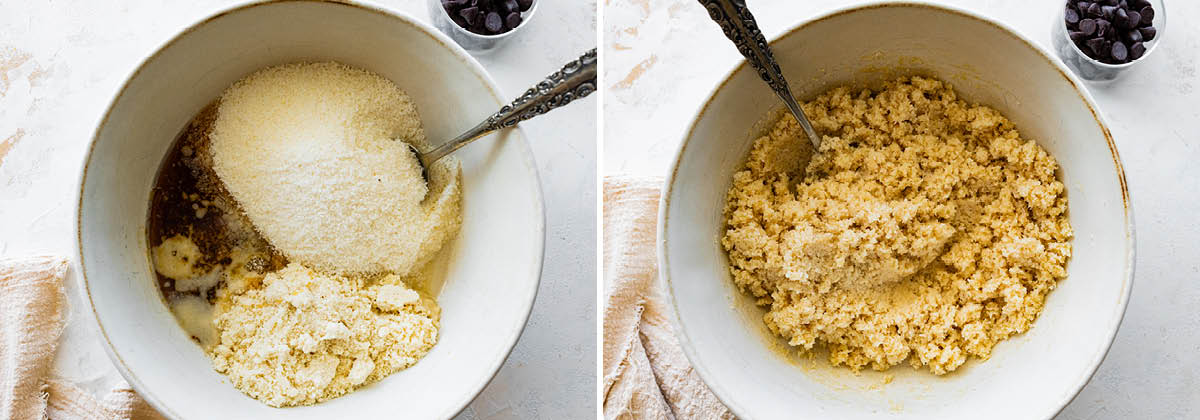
[
  {"x": 1031, "y": 376},
  {"x": 495, "y": 262}
]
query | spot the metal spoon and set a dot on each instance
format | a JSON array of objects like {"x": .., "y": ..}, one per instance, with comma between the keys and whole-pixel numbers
[
  {"x": 739, "y": 26},
  {"x": 576, "y": 80}
]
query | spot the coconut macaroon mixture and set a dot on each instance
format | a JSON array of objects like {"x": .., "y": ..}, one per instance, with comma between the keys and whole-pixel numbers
[
  {"x": 924, "y": 228},
  {"x": 291, "y": 226}
]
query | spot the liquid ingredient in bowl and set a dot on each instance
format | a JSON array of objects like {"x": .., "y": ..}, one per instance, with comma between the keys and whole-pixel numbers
[
  {"x": 315, "y": 154},
  {"x": 923, "y": 229}
]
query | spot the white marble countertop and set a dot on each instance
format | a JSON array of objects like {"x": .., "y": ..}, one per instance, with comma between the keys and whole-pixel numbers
[
  {"x": 61, "y": 63},
  {"x": 662, "y": 57}
]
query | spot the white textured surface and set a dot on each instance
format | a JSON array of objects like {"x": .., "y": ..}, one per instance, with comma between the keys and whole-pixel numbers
[
  {"x": 663, "y": 57},
  {"x": 61, "y": 62}
]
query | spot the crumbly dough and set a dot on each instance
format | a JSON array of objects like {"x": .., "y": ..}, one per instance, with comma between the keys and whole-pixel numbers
[
  {"x": 924, "y": 228},
  {"x": 300, "y": 337}
]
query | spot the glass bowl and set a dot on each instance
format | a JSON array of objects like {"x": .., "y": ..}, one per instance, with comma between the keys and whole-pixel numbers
[
  {"x": 1094, "y": 70},
  {"x": 473, "y": 42}
]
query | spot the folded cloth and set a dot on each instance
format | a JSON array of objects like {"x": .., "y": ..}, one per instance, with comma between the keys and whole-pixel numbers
[
  {"x": 646, "y": 374},
  {"x": 33, "y": 313}
]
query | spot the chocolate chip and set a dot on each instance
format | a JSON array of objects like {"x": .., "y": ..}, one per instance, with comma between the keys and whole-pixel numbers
[
  {"x": 493, "y": 22},
  {"x": 513, "y": 20},
  {"x": 1135, "y": 19},
  {"x": 470, "y": 14},
  {"x": 509, "y": 6},
  {"x": 1096, "y": 45},
  {"x": 1110, "y": 31},
  {"x": 1072, "y": 15},
  {"x": 1120, "y": 18},
  {"x": 1148, "y": 33},
  {"x": 1137, "y": 50},
  {"x": 1119, "y": 52},
  {"x": 1102, "y": 28},
  {"x": 1134, "y": 35},
  {"x": 1087, "y": 26},
  {"x": 486, "y": 17}
]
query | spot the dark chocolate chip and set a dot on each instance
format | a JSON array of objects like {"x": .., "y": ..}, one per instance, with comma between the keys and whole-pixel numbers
[
  {"x": 1148, "y": 33},
  {"x": 525, "y": 4},
  {"x": 1135, "y": 19},
  {"x": 1120, "y": 18},
  {"x": 1107, "y": 11},
  {"x": 1096, "y": 45},
  {"x": 509, "y": 6},
  {"x": 1071, "y": 14},
  {"x": 1103, "y": 28},
  {"x": 459, "y": 20},
  {"x": 470, "y": 14},
  {"x": 1082, "y": 6},
  {"x": 1087, "y": 26},
  {"x": 1094, "y": 10},
  {"x": 513, "y": 20},
  {"x": 1137, "y": 50},
  {"x": 1147, "y": 15},
  {"x": 1134, "y": 35},
  {"x": 1078, "y": 36},
  {"x": 1119, "y": 52},
  {"x": 493, "y": 23},
  {"x": 1110, "y": 2}
]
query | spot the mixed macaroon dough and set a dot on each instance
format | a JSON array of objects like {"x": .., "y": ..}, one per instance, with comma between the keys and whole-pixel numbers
[
  {"x": 924, "y": 228},
  {"x": 291, "y": 229}
]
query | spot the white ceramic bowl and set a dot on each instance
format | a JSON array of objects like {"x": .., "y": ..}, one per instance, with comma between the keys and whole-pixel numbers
[
  {"x": 1031, "y": 376},
  {"x": 495, "y": 263}
]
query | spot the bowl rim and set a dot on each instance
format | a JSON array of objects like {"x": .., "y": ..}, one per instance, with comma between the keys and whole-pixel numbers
[
  {"x": 399, "y": 17},
  {"x": 664, "y": 278}
]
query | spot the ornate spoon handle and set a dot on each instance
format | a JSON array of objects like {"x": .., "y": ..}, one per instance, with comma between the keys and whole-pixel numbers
[
  {"x": 576, "y": 80},
  {"x": 740, "y": 27}
]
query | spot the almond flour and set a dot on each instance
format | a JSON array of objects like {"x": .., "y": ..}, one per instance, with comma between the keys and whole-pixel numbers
[{"x": 304, "y": 337}]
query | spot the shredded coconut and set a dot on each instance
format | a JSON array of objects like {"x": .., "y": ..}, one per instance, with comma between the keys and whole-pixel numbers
[{"x": 316, "y": 156}]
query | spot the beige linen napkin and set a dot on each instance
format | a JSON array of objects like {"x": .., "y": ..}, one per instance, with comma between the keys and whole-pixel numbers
[
  {"x": 33, "y": 313},
  {"x": 646, "y": 375}
]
